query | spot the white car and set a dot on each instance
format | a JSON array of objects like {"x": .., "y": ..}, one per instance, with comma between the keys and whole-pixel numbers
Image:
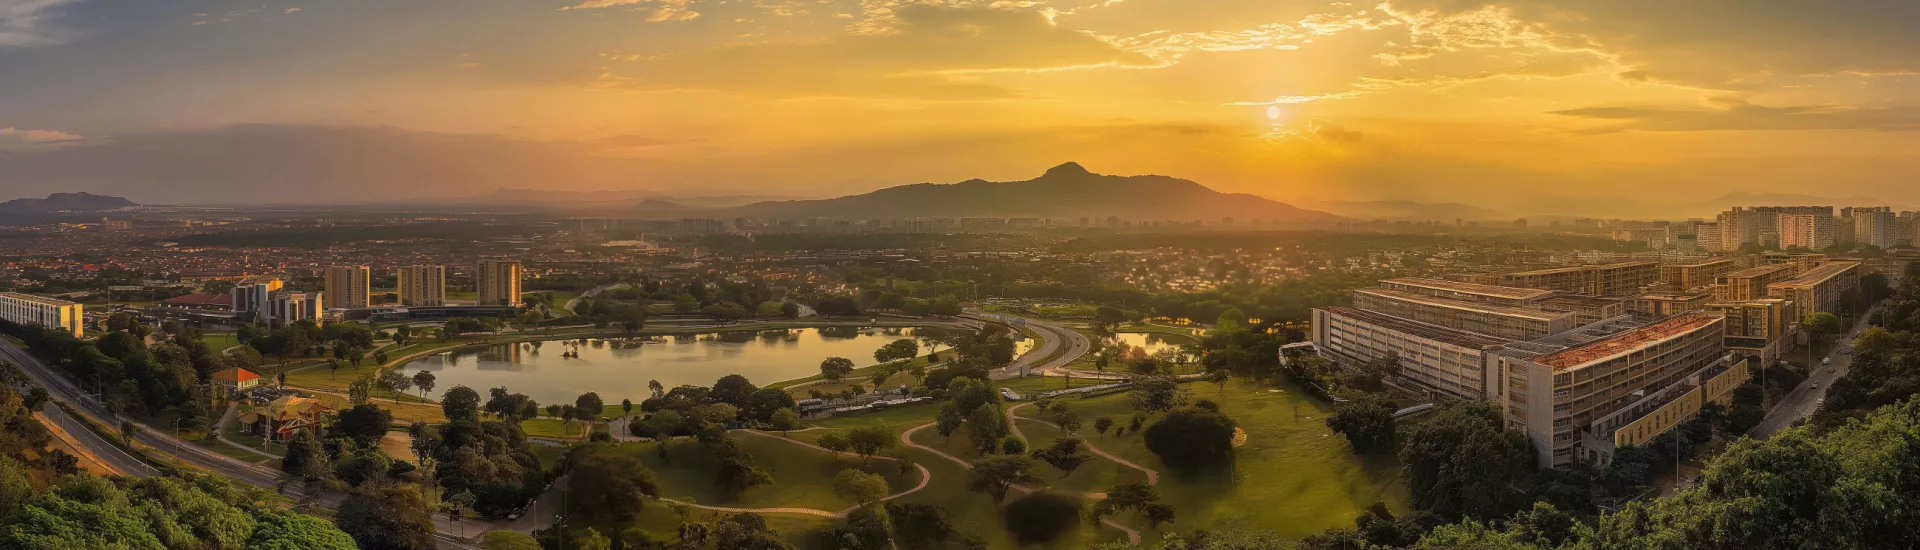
[{"x": 1826, "y": 360}]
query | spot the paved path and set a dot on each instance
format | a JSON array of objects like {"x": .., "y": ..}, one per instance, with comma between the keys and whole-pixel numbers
[
  {"x": 1804, "y": 400},
  {"x": 221, "y": 426},
  {"x": 1133, "y": 537},
  {"x": 1153, "y": 477}
]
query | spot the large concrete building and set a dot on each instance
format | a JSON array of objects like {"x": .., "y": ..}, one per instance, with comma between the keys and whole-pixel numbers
[
  {"x": 27, "y": 309},
  {"x": 1616, "y": 279},
  {"x": 1512, "y": 322},
  {"x": 1452, "y": 363},
  {"x": 1759, "y": 328},
  {"x": 347, "y": 286},
  {"x": 1875, "y": 227},
  {"x": 1573, "y": 393},
  {"x": 1696, "y": 275},
  {"x": 1750, "y": 283},
  {"x": 497, "y": 282},
  {"x": 1818, "y": 289},
  {"x": 1760, "y": 225},
  {"x": 266, "y": 301},
  {"x": 423, "y": 285}
]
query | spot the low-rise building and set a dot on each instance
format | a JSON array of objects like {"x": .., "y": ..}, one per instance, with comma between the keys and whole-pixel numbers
[
  {"x": 1452, "y": 363},
  {"x": 27, "y": 309},
  {"x": 1818, "y": 289}
]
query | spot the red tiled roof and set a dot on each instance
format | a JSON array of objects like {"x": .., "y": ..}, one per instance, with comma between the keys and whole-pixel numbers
[
  {"x": 200, "y": 300},
  {"x": 235, "y": 375}
]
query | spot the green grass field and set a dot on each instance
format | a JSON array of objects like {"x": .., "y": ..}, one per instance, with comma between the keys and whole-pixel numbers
[
  {"x": 803, "y": 477},
  {"x": 217, "y": 341}
]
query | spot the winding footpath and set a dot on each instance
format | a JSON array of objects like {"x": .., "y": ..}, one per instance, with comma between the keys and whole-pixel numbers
[
  {"x": 1153, "y": 477},
  {"x": 925, "y": 478},
  {"x": 1133, "y": 537}
]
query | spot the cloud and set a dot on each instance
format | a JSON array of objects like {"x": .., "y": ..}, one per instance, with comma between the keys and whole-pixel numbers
[
  {"x": 291, "y": 11},
  {"x": 28, "y": 139},
  {"x": 25, "y": 22},
  {"x": 929, "y": 55},
  {"x": 1734, "y": 114},
  {"x": 658, "y": 11}
]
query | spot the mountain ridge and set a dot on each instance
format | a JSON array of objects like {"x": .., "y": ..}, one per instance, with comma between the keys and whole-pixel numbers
[{"x": 58, "y": 202}]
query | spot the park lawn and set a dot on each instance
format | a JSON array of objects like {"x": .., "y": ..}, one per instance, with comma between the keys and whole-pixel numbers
[
  {"x": 975, "y": 512},
  {"x": 218, "y": 341},
  {"x": 1097, "y": 475},
  {"x": 548, "y": 455},
  {"x": 802, "y": 477},
  {"x": 898, "y": 419},
  {"x": 898, "y": 379},
  {"x": 1033, "y": 384},
  {"x": 663, "y": 521},
  {"x": 1293, "y": 475},
  {"x": 861, "y": 373},
  {"x": 404, "y": 412},
  {"x": 550, "y": 428}
]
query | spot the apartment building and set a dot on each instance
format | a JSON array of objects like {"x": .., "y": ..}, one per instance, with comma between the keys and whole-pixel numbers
[
  {"x": 497, "y": 282},
  {"x": 1876, "y": 226},
  {"x": 286, "y": 307},
  {"x": 423, "y": 285},
  {"x": 250, "y": 295},
  {"x": 27, "y": 309},
  {"x": 1758, "y": 328},
  {"x": 1760, "y": 224},
  {"x": 1571, "y": 393},
  {"x": 1809, "y": 231},
  {"x": 1517, "y": 323},
  {"x": 1450, "y": 363},
  {"x": 1470, "y": 292},
  {"x": 347, "y": 286},
  {"x": 1695, "y": 275},
  {"x": 1616, "y": 279},
  {"x": 1585, "y": 309},
  {"x": 1750, "y": 283},
  {"x": 1818, "y": 289}
]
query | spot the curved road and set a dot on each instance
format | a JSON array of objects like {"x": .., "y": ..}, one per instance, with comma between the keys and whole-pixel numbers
[
  {"x": 1804, "y": 400},
  {"x": 1052, "y": 336}
]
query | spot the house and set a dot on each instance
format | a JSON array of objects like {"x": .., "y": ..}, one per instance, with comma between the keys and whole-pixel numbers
[
  {"x": 236, "y": 379},
  {"x": 284, "y": 417}
]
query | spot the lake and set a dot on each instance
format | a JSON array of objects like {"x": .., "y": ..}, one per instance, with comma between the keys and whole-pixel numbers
[
  {"x": 1150, "y": 342},
  {"x": 619, "y": 368}
]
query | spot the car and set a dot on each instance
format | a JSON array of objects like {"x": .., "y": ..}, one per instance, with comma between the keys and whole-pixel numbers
[
  {"x": 1826, "y": 360},
  {"x": 1816, "y": 385}
]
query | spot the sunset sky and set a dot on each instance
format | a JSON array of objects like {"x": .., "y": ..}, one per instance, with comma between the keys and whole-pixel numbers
[{"x": 1428, "y": 100}]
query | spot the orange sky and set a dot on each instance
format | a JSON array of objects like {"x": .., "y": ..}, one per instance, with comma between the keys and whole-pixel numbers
[{"x": 1433, "y": 100}]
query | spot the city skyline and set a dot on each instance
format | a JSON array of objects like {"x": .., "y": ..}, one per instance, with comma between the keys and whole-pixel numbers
[{"x": 1433, "y": 101}]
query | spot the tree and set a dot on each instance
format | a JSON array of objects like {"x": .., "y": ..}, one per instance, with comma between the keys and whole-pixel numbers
[
  {"x": 1191, "y": 437},
  {"x": 1013, "y": 446},
  {"x": 635, "y": 538},
  {"x": 392, "y": 518},
  {"x": 1101, "y": 424},
  {"x": 1461, "y": 462},
  {"x": 734, "y": 389},
  {"x": 591, "y": 539},
  {"x": 1366, "y": 421},
  {"x": 422, "y": 380},
  {"x": 985, "y": 427},
  {"x": 609, "y": 485},
  {"x": 995, "y": 475},
  {"x": 364, "y": 424},
  {"x": 1064, "y": 455},
  {"x": 1821, "y": 324},
  {"x": 515, "y": 540},
  {"x": 835, "y": 368},
  {"x": 764, "y": 402},
  {"x": 897, "y": 350},
  {"x": 588, "y": 407},
  {"x": 785, "y": 419},
  {"x": 285, "y": 530},
  {"x": 461, "y": 403},
  {"x": 1041, "y": 517},
  {"x": 1157, "y": 393},
  {"x": 836, "y": 442},
  {"x": 860, "y": 487},
  {"x": 969, "y": 394},
  {"x": 921, "y": 526},
  {"x": 626, "y": 406},
  {"x": 869, "y": 440}
]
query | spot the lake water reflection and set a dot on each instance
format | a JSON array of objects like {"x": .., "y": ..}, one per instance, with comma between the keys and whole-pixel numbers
[{"x": 619, "y": 368}]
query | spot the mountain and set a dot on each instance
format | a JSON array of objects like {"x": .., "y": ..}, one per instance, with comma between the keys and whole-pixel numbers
[
  {"x": 64, "y": 202},
  {"x": 1066, "y": 191},
  {"x": 1405, "y": 210}
]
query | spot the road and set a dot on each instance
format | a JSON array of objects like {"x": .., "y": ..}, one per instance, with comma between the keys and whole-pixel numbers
[
  {"x": 1805, "y": 399},
  {"x": 1052, "y": 337}
]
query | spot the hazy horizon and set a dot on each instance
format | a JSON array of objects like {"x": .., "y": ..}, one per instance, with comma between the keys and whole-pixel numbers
[{"x": 1510, "y": 106}]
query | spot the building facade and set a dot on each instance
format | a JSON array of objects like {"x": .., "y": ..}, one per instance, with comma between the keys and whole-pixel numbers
[
  {"x": 423, "y": 285},
  {"x": 1750, "y": 283},
  {"x": 347, "y": 286},
  {"x": 1759, "y": 328},
  {"x": 1819, "y": 289},
  {"x": 1809, "y": 231},
  {"x": 27, "y": 309},
  {"x": 1451, "y": 363},
  {"x": 497, "y": 282},
  {"x": 1695, "y": 275},
  {"x": 1616, "y": 279},
  {"x": 1516, "y": 323}
]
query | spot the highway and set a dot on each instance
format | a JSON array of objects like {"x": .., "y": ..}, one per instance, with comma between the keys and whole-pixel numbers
[
  {"x": 1804, "y": 400},
  {"x": 1052, "y": 336}
]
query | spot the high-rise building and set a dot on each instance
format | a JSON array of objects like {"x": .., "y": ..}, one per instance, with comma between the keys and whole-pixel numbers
[
  {"x": 1707, "y": 235},
  {"x": 497, "y": 282},
  {"x": 1810, "y": 231},
  {"x": 1875, "y": 227},
  {"x": 423, "y": 285},
  {"x": 284, "y": 307},
  {"x": 347, "y": 286},
  {"x": 27, "y": 309},
  {"x": 1756, "y": 327},
  {"x": 250, "y": 295},
  {"x": 1761, "y": 224}
]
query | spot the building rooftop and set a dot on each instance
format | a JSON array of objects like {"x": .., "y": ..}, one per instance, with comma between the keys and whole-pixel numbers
[
  {"x": 1497, "y": 291},
  {"x": 235, "y": 375},
  {"x": 1619, "y": 265},
  {"x": 1757, "y": 271},
  {"x": 1460, "y": 304},
  {"x": 1580, "y": 300},
  {"x": 1705, "y": 263},
  {"x": 225, "y": 300},
  {"x": 1819, "y": 274},
  {"x": 1628, "y": 340},
  {"x": 56, "y": 302},
  {"x": 1432, "y": 332}
]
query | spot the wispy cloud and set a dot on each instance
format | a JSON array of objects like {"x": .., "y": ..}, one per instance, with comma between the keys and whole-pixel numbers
[
  {"x": 1736, "y": 114},
  {"x": 26, "y": 22},
  {"x": 11, "y": 137},
  {"x": 658, "y": 11}
]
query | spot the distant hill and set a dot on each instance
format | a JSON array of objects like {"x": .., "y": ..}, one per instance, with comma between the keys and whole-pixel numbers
[
  {"x": 1405, "y": 210},
  {"x": 64, "y": 202},
  {"x": 1066, "y": 191}
]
